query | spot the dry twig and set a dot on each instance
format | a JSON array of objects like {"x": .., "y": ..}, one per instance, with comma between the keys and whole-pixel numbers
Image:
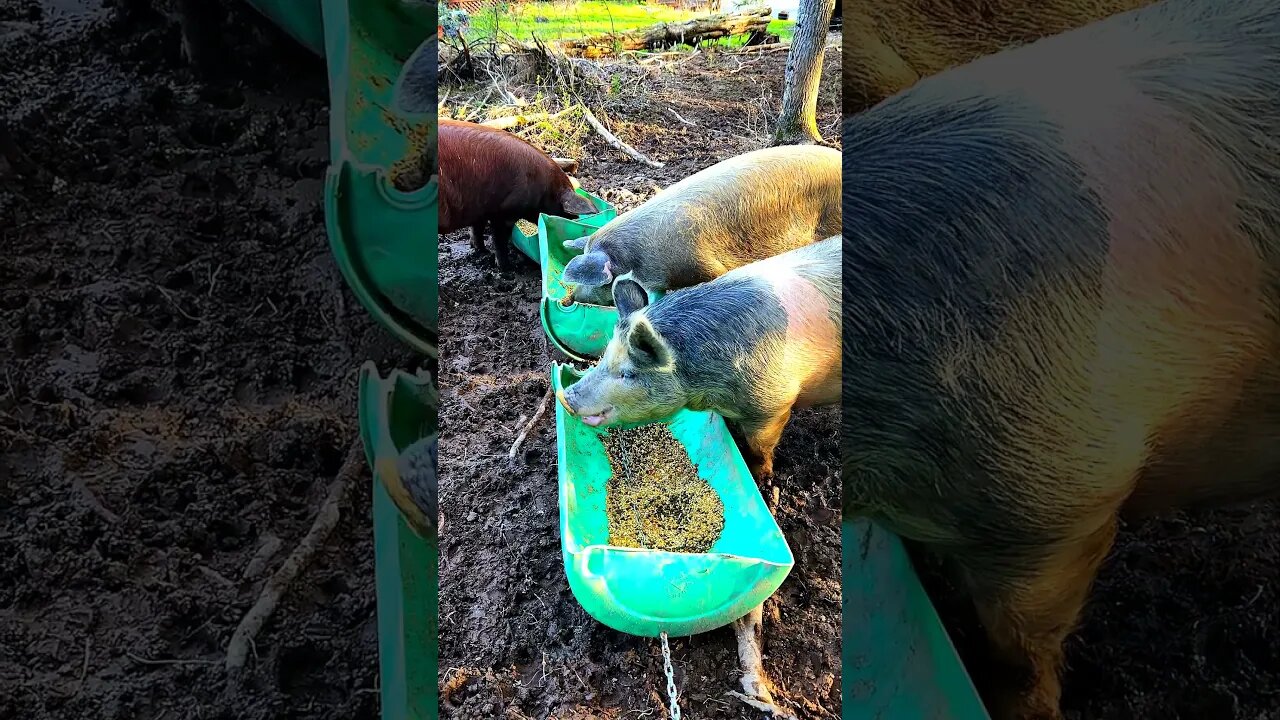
[
  {"x": 537, "y": 416},
  {"x": 615, "y": 142},
  {"x": 270, "y": 546},
  {"x": 275, "y": 587}
]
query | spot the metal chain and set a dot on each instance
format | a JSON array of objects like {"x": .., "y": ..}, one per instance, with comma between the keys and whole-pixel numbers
[
  {"x": 671, "y": 678},
  {"x": 666, "y": 649}
]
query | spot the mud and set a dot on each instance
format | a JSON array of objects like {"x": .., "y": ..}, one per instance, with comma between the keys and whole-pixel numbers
[
  {"x": 655, "y": 499},
  {"x": 514, "y": 641},
  {"x": 179, "y": 358},
  {"x": 1184, "y": 622}
]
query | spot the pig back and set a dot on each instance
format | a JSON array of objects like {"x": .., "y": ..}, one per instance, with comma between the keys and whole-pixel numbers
[
  {"x": 806, "y": 282},
  {"x": 1061, "y": 268},
  {"x": 742, "y": 210}
]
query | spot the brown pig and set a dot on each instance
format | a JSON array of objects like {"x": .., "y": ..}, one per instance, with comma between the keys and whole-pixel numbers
[
  {"x": 489, "y": 177},
  {"x": 1061, "y": 305}
]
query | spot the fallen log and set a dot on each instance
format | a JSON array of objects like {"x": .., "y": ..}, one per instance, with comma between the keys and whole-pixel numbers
[
  {"x": 511, "y": 121},
  {"x": 753, "y": 22}
]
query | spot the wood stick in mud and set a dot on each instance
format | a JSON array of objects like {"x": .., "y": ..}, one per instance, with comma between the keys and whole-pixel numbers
[
  {"x": 274, "y": 589},
  {"x": 615, "y": 142},
  {"x": 751, "y": 21},
  {"x": 537, "y": 416}
]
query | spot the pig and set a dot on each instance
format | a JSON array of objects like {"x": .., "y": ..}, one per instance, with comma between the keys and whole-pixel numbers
[
  {"x": 891, "y": 44},
  {"x": 747, "y": 208},
  {"x": 1061, "y": 281},
  {"x": 752, "y": 345},
  {"x": 491, "y": 177}
]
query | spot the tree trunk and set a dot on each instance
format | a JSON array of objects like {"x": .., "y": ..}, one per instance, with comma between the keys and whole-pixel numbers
[
  {"x": 753, "y": 21},
  {"x": 798, "y": 123}
]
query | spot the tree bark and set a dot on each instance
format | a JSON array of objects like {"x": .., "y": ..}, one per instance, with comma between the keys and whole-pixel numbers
[
  {"x": 798, "y": 123},
  {"x": 753, "y": 21}
]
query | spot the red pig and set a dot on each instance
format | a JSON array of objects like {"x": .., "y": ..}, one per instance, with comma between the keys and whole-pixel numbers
[{"x": 491, "y": 177}]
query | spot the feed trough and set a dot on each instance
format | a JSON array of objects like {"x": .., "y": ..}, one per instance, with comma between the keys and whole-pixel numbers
[
  {"x": 898, "y": 660},
  {"x": 579, "y": 330},
  {"x": 380, "y": 206},
  {"x": 528, "y": 244},
  {"x": 396, "y": 412},
  {"x": 648, "y": 592}
]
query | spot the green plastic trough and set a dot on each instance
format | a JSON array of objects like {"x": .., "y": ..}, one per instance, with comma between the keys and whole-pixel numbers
[
  {"x": 648, "y": 592},
  {"x": 384, "y": 239},
  {"x": 898, "y": 660},
  {"x": 528, "y": 244},
  {"x": 385, "y": 243},
  {"x": 579, "y": 330},
  {"x": 395, "y": 412}
]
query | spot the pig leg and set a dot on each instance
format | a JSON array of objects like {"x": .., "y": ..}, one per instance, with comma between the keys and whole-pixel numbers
[
  {"x": 1028, "y": 616},
  {"x": 502, "y": 243},
  {"x": 755, "y": 686},
  {"x": 477, "y": 237},
  {"x": 762, "y": 438},
  {"x": 199, "y": 21}
]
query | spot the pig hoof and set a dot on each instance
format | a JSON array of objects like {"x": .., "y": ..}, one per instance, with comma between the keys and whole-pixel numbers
[{"x": 763, "y": 704}]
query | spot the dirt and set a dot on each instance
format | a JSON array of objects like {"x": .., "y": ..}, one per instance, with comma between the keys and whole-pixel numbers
[
  {"x": 514, "y": 642},
  {"x": 655, "y": 499},
  {"x": 179, "y": 357},
  {"x": 1183, "y": 623}
]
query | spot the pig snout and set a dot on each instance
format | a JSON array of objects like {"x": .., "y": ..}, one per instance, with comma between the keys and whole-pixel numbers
[
  {"x": 584, "y": 404},
  {"x": 590, "y": 276}
]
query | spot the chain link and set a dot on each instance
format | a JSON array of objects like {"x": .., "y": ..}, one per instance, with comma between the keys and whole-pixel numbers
[{"x": 671, "y": 678}]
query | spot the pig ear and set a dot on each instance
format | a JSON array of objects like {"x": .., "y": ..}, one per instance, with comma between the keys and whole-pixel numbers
[
  {"x": 591, "y": 270},
  {"x": 576, "y": 204},
  {"x": 578, "y": 244},
  {"x": 415, "y": 90},
  {"x": 628, "y": 297},
  {"x": 646, "y": 347}
]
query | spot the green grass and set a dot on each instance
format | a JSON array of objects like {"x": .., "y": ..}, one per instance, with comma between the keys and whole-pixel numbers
[{"x": 582, "y": 18}]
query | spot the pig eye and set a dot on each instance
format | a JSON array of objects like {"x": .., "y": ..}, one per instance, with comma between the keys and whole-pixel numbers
[{"x": 628, "y": 375}]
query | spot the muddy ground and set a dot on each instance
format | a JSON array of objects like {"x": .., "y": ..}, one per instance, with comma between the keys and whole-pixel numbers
[
  {"x": 1184, "y": 622},
  {"x": 179, "y": 361},
  {"x": 514, "y": 642}
]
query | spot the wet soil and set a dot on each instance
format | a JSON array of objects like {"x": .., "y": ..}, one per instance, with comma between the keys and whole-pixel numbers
[
  {"x": 179, "y": 360},
  {"x": 1183, "y": 623},
  {"x": 514, "y": 641}
]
